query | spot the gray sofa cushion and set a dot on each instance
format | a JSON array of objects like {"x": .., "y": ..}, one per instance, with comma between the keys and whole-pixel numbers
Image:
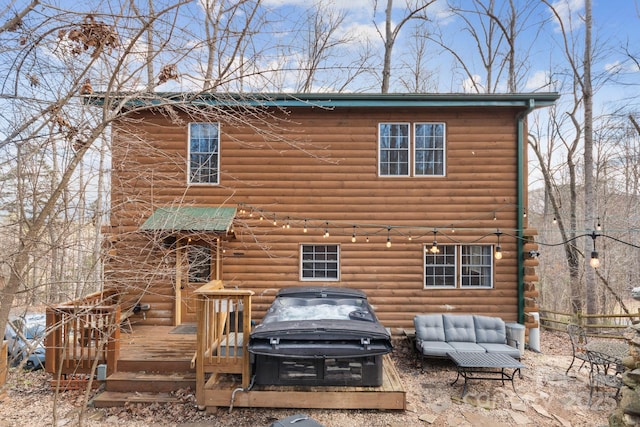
[
  {"x": 459, "y": 328},
  {"x": 429, "y": 327},
  {"x": 502, "y": 348},
  {"x": 434, "y": 348},
  {"x": 467, "y": 347},
  {"x": 490, "y": 330}
]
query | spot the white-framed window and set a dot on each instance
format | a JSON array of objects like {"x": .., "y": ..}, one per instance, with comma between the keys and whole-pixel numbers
[
  {"x": 428, "y": 148},
  {"x": 393, "y": 149},
  {"x": 440, "y": 268},
  {"x": 319, "y": 262},
  {"x": 458, "y": 266},
  {"x": 204, "y": 153},
  {"x": 477, "y": 266},
  {"x": 405, "y": 151}
]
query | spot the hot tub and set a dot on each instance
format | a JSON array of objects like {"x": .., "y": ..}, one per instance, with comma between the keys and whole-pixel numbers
[{"x": 319, "y": 336}]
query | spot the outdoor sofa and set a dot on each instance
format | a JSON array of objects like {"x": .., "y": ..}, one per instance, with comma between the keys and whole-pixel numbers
[{"x": 437, "y": 335}]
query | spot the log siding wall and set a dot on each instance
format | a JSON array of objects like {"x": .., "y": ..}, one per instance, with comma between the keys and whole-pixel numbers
[{"x": 324, "y": 168}]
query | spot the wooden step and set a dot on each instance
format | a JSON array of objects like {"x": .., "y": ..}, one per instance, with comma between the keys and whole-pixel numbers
[
  {"x": 150, "y": 382},
  {"x": 108, "y": 399},
  {"x": 155, "y": 365}
]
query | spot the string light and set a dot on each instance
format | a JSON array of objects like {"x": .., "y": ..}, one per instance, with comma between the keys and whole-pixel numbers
[
  {"x": 594, "y": 261},
  {"x": 434, "y": 247},
  {"x": 498, "y": 252}
]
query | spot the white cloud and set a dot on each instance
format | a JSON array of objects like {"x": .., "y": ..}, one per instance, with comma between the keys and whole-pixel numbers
[
  {"x": 613, "y": 67},
  {"x": 537, "y": 81},
  {"x": 360, "y": 33},
  {"x": 473, "y": 84},
  {"x": 569, "y": 12}
]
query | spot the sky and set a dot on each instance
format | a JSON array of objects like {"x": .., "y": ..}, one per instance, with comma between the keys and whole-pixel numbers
[{"x": 616, "y": 26}]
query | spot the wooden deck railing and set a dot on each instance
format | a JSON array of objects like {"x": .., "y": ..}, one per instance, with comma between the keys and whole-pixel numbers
[
  {"x": 224, "y": 324},
  {"x": 597, "y": 325},
  {"x": 82, "y": 334}
]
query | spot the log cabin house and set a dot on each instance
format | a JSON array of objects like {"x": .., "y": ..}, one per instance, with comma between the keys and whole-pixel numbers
[{"x": 419, "y": 200}]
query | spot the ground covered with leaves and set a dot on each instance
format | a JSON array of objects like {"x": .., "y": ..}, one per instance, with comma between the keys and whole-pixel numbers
[{"x": 545, "y": 397}]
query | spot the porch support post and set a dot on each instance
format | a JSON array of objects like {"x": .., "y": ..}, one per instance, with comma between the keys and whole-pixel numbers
[{"x": 218, "y": 258}]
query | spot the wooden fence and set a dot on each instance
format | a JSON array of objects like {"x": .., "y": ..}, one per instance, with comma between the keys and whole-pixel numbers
[{"x": 596, "y": 325}]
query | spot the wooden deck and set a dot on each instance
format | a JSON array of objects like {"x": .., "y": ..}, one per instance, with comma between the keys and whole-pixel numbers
[
  {"x": 161, "y": 354},
  {"x": 390, "y": 395}
]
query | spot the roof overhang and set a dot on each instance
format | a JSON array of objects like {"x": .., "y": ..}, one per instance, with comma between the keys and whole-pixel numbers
[
  {"x": 324, "y": 100},
  {"x": 215, "y": 219}
]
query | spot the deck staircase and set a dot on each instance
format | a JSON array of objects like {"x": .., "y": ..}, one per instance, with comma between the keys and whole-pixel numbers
[
  {"x": 125, "y": 387},
  {"x": 154, "y": 366}
]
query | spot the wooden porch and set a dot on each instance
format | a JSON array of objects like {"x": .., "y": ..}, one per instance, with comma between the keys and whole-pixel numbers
[{"x": 147, "y": 364}]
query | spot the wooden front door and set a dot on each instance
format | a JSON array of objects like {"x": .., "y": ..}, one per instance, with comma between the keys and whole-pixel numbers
[{"x": 197, "y": 268}]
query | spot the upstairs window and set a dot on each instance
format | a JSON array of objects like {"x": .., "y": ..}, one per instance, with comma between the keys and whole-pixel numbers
[
  {"x": 429, "y": 149},
  {"x": 396, "y": 145},
  {"x": 459, "y": 266},
  {"x": 319, "y": 262},
  {"x": 394, "y": 149},
  {"x": 204, "y": 153}
]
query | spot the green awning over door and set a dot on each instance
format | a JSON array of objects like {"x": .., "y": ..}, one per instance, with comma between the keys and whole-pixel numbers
[{"x": 191, "y": 218}]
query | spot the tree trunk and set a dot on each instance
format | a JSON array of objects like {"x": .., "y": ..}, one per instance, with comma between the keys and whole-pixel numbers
[{"x": 589, "y": 205}]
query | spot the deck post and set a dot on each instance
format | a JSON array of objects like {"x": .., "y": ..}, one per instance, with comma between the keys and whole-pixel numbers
[{"x": 200, "y": 345}]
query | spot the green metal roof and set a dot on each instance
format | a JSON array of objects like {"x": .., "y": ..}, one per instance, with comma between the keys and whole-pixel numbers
[
  {"x": 329, "y": 100},
  {"x": 213, "y": 219}
]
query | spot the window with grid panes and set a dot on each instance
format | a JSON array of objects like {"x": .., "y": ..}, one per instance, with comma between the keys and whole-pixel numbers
[
  {"x": 319, "y": 262},
  {"x": 204, "y": 153},
  {"x": 459, "y": 266}
]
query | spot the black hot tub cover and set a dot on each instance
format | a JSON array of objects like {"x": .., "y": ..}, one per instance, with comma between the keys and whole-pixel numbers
[{"x": 320, "y": 322}]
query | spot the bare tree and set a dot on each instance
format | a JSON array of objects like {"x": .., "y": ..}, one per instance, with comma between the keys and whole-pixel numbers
[
  {"x": 321, "y": 36},
  {"x": 413, "y": 10},
  {"x": 494, "y": 30}
]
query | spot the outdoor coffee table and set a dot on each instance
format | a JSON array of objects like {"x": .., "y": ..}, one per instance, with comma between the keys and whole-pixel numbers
[{"x": 485, "y": 366}]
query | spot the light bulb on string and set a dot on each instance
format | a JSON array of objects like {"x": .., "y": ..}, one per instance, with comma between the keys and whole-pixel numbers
[
  {"x": 304, "y": 230},
  {"x": 498, "y": 252},
  {"x": 594, "y": 261},
  {"x": 326, "y": 230},
  {"x": 353, "y": 236},
  {"x": 434, "y": 246},
  {"x": 388, "y": 237}
]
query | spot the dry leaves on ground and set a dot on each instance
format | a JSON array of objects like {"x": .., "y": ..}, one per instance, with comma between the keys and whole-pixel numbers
[{"x": 546, "y": 397}]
